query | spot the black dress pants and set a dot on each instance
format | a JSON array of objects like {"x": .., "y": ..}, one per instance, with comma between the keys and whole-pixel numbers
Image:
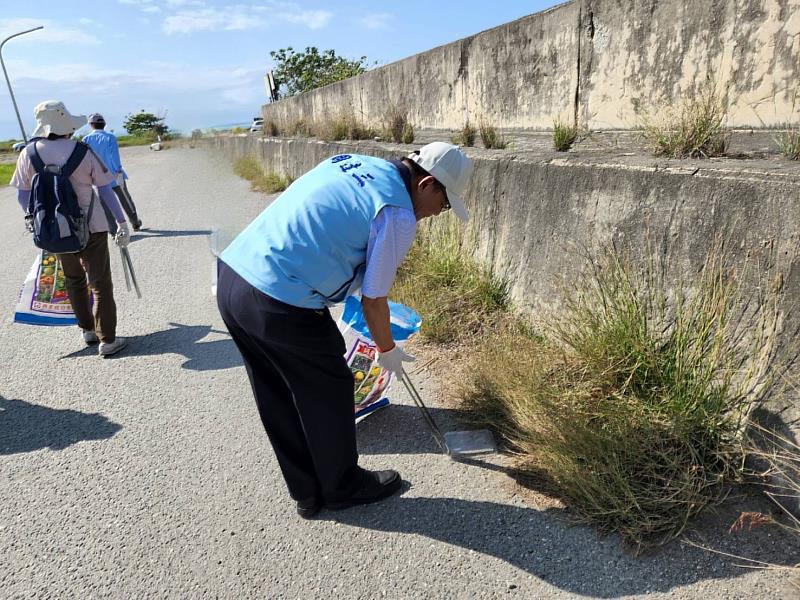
[{"x": 303, "y": 387}]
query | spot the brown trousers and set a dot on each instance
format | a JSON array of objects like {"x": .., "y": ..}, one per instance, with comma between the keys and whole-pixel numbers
[{"x": 91, "y": 268}]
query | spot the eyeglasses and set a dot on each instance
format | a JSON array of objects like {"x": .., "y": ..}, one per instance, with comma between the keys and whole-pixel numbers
[{"x": 446, "y": 202}]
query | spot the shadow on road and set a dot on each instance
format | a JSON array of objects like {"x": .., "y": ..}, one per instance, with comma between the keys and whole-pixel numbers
[
  {"x": 400, "y": 429},
  {"x": 186, "y": 340},
  {"x": 25, "y": 427},
  {"x": 180, "y": 339},
  {"x": 541, "y": 542},
  {"x": 574, "y": 559}
]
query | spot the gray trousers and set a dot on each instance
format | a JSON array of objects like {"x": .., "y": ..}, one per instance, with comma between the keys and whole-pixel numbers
[
  {"x": 125, "y": 200},
  {"x": 127, "y": 203}
]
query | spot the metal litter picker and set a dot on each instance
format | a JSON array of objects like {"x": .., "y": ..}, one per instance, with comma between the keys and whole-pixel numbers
[
  {"x": 130, "y": 274},
  {"x": 456, "y": 444}
]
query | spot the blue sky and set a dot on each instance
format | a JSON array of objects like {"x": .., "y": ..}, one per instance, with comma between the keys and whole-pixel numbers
[{"x": 201, "y": 62}]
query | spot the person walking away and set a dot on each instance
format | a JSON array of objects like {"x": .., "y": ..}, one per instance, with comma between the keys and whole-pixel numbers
[
  {"x": 104, "y": 145},
  {"x": 89, "y": 268},
  {"x": 346, "y": 224}
]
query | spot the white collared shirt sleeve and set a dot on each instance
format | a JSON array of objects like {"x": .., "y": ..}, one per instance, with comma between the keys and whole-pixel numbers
[{"x": 390, "y": 238}]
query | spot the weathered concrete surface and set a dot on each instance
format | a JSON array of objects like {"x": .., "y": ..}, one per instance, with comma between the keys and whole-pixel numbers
[
  {"x": 512, "y": 76},
  {"x": 641, "y": 52},
  {"x": 630, "y": 54}
]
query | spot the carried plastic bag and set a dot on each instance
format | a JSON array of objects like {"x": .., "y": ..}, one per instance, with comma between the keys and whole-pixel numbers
[
  {"x": 43, "y": 299},
  {"x": 371, "y": 381}
]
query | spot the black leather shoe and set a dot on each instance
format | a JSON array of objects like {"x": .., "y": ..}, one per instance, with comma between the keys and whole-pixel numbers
[
  {"x": 308, "y": 508},
  {"x": 137, "y": 226},
  {"x": 376, "y": 486}
]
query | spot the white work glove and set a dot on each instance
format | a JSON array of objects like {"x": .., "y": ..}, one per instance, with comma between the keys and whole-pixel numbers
[
  {"x": 393, "y": 360},
  {"x": 123, "y": 235}
]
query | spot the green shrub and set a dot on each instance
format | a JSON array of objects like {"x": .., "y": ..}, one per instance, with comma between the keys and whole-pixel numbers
[
  {"x": 564, "y": 135},
  {"x": 492, "y": 139},
  {"x": 6, "y": 145},
  {"x": 249, "y": 168},
  {"x": 465, "y": 137},
  {"x": 694, "y": 130}
]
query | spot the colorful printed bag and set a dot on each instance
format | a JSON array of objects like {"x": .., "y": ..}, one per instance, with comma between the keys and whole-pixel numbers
[
  {"x": 43, "y": 299},
  {"x": 371, "y": 381}
]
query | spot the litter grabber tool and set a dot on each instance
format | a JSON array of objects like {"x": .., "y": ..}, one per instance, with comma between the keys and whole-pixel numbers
[
  {"x": 130, "y": 274},
  {"x": 456, "y": 444}
]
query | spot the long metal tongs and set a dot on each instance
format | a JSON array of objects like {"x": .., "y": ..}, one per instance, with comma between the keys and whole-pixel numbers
[
  {"x": 455, "y": 444},
  {"x": 130, "y": 274}
]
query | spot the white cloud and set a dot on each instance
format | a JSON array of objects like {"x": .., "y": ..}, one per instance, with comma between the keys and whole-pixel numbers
[
  {"x": 240, "y": 17},
  {"x": 313, "y": 19},
  {"x": 53, "y": 33},
  {"x": 151, "y": 9},
  {"x": 209, "y": 19},
  {"x": 376, "y": 21}
]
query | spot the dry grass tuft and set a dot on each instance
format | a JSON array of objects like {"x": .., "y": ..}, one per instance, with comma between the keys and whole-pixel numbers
[
  {"x": 465, "y": 137},
  {"x": 249, "y": 168},
  {"x": 694, "y": 130}
]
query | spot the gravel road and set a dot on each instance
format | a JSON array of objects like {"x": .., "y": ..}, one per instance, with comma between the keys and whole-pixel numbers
[{"x": 148, "y": 475}]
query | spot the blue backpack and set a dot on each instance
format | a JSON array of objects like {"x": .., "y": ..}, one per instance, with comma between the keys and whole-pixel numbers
[{"x": 54, "y": 215}]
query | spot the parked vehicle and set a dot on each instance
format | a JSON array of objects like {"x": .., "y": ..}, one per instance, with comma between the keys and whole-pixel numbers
[{"x": 258, "y": 125}]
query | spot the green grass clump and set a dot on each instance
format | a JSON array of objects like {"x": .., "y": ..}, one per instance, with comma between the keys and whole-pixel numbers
[
  {"x": 465, "y": 137},
  {"x": 490, "y": 137},
  {"x": 789, "y": 142},
  {"x": 6, "y": 172},
  {"x": 631, "y": 405},
  {"x": 694, "y": 130},
  {"x": 564, "y": 135},
  {"x": 441, "y": 283},
  {"x": 250, "y": 169}
]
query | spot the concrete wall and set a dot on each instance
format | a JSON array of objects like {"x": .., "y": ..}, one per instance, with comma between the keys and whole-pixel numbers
[
  {"x": 529, "y": 212},
  {"x": 629, "y": 54}
]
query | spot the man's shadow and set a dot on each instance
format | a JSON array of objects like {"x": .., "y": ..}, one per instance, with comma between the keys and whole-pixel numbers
[
  {"x": 574, "y": 559},
  {"x": 542, "y": 542},
  {"x": 25, "y": 427},
  {"x": 184, "y": 340}
]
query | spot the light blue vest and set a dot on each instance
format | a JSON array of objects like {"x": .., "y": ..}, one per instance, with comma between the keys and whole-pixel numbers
[{"x": 308, "y": 248}]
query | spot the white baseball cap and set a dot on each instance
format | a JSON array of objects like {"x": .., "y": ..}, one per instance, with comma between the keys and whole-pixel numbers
[
  {"x": 449, "y": 166},
  {"x": 53, "y": 117}
]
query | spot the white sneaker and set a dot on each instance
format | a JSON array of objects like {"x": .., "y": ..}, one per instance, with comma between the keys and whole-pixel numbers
[
  {"x": 89, "y": 336},
  {"x": 109, "y": 348}
]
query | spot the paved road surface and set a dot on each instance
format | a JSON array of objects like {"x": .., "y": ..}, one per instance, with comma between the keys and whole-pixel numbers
[{"x": 149, "y": 476}]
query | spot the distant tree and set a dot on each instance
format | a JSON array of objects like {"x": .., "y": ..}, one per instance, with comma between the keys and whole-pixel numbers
[
  {"x": 298, "y": 72},
  {"x": 145, "y": 123}
]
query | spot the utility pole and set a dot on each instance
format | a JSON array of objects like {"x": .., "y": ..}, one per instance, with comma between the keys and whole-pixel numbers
[{"x": 8, "y": 83}]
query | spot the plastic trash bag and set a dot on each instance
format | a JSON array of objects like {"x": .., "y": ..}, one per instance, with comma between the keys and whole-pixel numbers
[
  {"x": 371, "y": 381},
  {"x": 43, "y": 299}
]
